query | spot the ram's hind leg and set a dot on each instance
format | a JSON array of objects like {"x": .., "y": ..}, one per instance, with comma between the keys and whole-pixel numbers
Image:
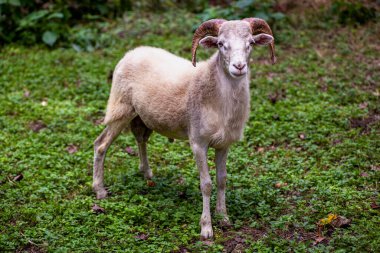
[
  {"x": 101, "y": 146},
  {"x": 142, "y": 133}
]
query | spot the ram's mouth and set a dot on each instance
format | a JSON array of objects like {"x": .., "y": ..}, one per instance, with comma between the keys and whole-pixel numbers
[{"x": 238, "y": 74}]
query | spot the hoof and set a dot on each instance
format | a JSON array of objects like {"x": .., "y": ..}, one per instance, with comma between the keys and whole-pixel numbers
[
  {"x": 206, "y": 233},
  {"x": 101, "y": 194},
  {"x": 148, "y": 174},
  {"x": 225, "y": 222}
]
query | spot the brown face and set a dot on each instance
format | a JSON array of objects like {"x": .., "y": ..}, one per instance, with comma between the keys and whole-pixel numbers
[{"x": 235, "y": 42}]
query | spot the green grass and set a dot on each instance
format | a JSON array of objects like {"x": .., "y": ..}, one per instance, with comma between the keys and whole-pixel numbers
[{"x": 319, "y": 140}]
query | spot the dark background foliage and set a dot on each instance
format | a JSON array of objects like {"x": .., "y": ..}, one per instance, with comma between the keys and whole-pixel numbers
[
  {"x": 56, "y": 22},
  {"x": 310, "y": 150}
]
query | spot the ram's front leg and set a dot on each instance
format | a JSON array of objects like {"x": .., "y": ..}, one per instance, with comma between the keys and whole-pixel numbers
[
  {"x": 200, "y": 154},
  {"x": 221, "y": 178}
]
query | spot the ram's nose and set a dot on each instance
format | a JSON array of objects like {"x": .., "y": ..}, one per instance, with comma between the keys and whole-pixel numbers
[{"x": 239, "y": 66}]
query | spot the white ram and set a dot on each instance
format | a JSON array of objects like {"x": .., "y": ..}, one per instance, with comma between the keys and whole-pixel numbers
[{"x": 154, "y": 90}]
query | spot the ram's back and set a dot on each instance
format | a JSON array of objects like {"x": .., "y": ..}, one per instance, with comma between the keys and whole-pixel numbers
[{"x": 155, "y": 84}]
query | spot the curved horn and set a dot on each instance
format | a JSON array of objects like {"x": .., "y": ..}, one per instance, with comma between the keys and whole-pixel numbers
[
  {"x": 259, "y": 25},
  {"x": 210, "y": 27}
]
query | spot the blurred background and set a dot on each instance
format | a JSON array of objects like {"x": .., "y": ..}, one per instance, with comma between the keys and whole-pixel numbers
[
  {"x": 88, "y": 25},
  {"x": 304, "y": 178}
]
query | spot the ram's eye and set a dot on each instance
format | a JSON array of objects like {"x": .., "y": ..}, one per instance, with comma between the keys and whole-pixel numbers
[
  {"x": 220, "y": 44},
  {"x": 252, "y": 42}
]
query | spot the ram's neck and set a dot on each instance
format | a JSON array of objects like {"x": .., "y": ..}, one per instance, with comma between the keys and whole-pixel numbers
[
  {"x": 224, "y": 80},
  {"x": 229, "y": 99}
]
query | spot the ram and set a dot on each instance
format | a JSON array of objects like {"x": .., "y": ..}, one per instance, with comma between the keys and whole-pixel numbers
[{"x": 208, "y": 103}]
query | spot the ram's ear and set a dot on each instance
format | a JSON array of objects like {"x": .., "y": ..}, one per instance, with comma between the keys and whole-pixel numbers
[
  {"x": 209, "y": 42},
  {"x": 262, "y": 39}
]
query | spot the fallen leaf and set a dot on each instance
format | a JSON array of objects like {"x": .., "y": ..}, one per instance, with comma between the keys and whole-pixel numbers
[
  {"x": 324, "y": 88},
  {"x": 97, "y": 209},
  {"x": 327, "y": 220},
  {"x": 260, "y": 149},
  {"x": 319, "y": 239},
  {"x": 99, "y": 121},
  {"x": 182, "y": 194},
  {"x": 71, "y": 149},
  {"x": 319, "y": 53},
  {"x": 207, "y": 242},
  {"x": 375, "y": 167},
  {"x": 239, "y": 248},
  {"x": 37, "y": 125},
  {"x": 302, "y": 136},
  {"x": 142, "y": 236},
  {"x": 19, "y": 177},
  {"x": 364, "y": 174},
  {"x": 273, "y": 97},
  {"x": 26, "y": 93},
  {"x": 336, "y": 142},
  {"x": 180, "y": 180},
  {"x": 130, "y": 151},
  {"x": 277, "y": 95},
  {"x": 341, "y": 222},
  {"x": 183, "y": 250},
  {"x": 374, "y": 205},
  {"x": 363, "y": 105},
  {"x": 280, "y": 184},
  {"x": 150, "y": 183}
]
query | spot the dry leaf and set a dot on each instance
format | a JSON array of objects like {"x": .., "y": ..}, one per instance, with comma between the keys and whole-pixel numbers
[
  {"x": 260, "y": 149},
  {"x": 180, "y": 180},
  {"x": 130, "y": 151},
  {"x": 142, "y": 236},
  {"x": 207, "y": 242},
  {"x": 336, "y": 142},
  {"x": 37, "y": 125},
  {"x": 183, "y": 250},
  {"x": 374, "y": 205},
  {"x": 375, "y": 167},
  {"x": 150, "y": 183},
  {"x": 19, "y": 177},
  {"x": 26, "y": 93},
  {"x": 72, "y": 149},
  {"x": 239, "y": 248},
  {"x": 341, "y": 222},
  {"x": 319, "y": 239},
  {"x": 280, "y": 184},
  {"x": 99, "y": 121},
  {"x": 97, "y": 209},
  {"x": 327, "y": 220},
  {"x": 364, "y": 174},
  {"x": 363, "y": 105},
  {"x": 302, "y": 136}
]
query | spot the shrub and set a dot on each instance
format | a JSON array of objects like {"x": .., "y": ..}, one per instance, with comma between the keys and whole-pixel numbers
[
  {"x": 352, "y": 12},
  {"x": 47, "y": 21}
]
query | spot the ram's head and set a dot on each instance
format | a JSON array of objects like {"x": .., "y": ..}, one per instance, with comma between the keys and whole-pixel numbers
[{"x": 234, "y": 40}]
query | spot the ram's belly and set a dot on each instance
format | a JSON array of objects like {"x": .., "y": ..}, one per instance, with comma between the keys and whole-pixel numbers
[
  {"x": 162, "y": 109},
  {"x": 164, "y": 124}
]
